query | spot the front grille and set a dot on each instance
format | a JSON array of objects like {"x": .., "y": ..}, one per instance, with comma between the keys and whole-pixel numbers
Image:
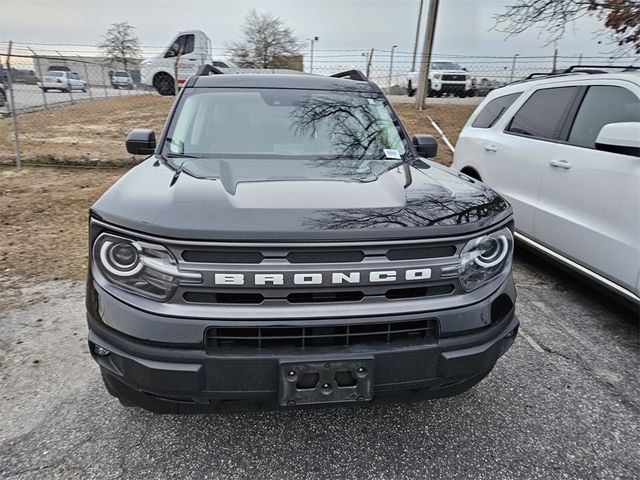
[
  {"x": 454, "y": 78},
  {"x": 395, "y": 333},
  {"x": 315, "y": 273}
]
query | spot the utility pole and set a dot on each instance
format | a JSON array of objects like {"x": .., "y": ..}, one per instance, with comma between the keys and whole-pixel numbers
[
  {"x": 391, "y": 67},
  {"x": 313, "y": 41},
  {"x": 426, "y": 54},
  {"x": 513, "y": 67},
  {"x": 415, "y": 44}
]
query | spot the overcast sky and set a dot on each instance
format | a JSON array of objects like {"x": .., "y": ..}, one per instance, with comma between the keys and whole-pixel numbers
[{"x": 463, "y": 25}]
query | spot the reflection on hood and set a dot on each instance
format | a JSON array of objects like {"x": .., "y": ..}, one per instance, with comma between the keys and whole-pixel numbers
[{"x": 236, "y": 171}]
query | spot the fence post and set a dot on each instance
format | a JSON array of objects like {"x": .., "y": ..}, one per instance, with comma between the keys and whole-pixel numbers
[
  {"x": 39, "y": 68},
  {"x": 104, "y": 82},
  {"x": 86, "y": 75},
  {"x": 13, "y": 109}
]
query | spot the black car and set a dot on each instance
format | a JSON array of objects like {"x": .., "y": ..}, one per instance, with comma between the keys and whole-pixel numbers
[{"x": 287, "y": 243}]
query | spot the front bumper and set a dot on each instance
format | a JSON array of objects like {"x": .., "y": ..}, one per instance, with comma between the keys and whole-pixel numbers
[{"x": 170, "y": 379}]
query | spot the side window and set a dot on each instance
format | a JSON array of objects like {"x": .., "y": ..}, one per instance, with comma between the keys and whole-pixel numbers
[
  {"x": 600, "y": 106},
  {"x": 219, "y": 64},
  {"x": 183, "y": 45},
  {"x": 493, "y": 110},
  {"x": 543, "y": 114},
  {"x": 189, "y": 41}
]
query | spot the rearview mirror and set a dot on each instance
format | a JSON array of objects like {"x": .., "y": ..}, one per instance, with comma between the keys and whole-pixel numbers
[
  {"x": 426, "y": 145},
  {"x": 623, "y": 138},
  {"x": 141, "y": 141}
]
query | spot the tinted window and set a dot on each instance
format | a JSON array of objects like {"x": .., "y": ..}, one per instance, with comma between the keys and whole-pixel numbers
[
  {"x": 445, "y": 66},
  {"x": 182, "y": 45},
  {"x": 543, "y": 114},
  {"x": 188, "y": 44},
  {"x": 218, "y": 64},
  {"x": 494, "y": 110},
  {"x": 603, "y": 105}
]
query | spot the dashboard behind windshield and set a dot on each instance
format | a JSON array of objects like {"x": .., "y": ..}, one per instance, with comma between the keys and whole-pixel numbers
[{"x": 284, "y": 123}]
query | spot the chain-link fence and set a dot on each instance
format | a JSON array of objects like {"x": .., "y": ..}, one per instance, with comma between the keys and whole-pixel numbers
[{"x": 67, "y": 103}]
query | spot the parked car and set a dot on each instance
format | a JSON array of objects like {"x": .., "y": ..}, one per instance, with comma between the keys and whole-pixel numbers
[
  {"x": 122, "y": 79},
  {"x": 287, "y": 243},
  {"x": 485, "y": 86},
  {"x": 564, "y": 150},
  {"x": 444, "y": 78},
  {"x": 3, "y": 96},
  {"x": 63, "y": 81}
]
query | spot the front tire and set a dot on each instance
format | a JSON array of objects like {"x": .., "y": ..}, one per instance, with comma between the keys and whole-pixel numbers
[
  {"x": 410, "y": 90},
  {"x": 164, "y": 84},
  {"x": 430, "y": 91}
]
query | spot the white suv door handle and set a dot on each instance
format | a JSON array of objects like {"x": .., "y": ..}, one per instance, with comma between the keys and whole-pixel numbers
[
  {"x": 560, "y": 164},
  {"x": 491, "y": 148}
]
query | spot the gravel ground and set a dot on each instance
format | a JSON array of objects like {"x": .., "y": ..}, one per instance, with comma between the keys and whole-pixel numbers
[{"x": 563, "y": 403}]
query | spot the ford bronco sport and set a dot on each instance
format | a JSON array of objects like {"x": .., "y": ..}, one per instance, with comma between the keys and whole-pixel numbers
[{"x": 285, "y": 244}]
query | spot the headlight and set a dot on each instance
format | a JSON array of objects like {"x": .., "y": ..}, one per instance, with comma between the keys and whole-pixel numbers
[
  {"x": 140, "y": 267},
  {"x": 437, "y": 76},
  {"x": 484, "y": 258}
]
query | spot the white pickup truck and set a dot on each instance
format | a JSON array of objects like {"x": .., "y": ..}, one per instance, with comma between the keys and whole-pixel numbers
[
  {"x": 188, "y": 51},
  {"x": 444, "y": 77}
]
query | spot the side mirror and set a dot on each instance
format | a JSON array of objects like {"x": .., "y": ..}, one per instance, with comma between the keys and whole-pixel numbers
[
  {"x": 622, "y": 138},
  {"x": 426, "y": 145},
  {"x": 141, "y": 141}
]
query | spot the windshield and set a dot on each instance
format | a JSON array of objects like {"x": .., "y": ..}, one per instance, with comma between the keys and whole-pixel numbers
[
  {"x": 445, "y": 66},
  {"x": 121, "y": 74},
  {"x": 55, "y": 74},
  {"x": 284, "y": 123}
]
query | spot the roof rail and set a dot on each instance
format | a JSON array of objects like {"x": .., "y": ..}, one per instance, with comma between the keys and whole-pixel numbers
[
  {"x": 207, "y": 69},
  {"x": 597, "y": 68},
  {"x": 351, "y": 75}
]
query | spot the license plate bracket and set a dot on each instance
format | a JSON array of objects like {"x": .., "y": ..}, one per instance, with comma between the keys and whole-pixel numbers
[{"x": 325, "y": 381}]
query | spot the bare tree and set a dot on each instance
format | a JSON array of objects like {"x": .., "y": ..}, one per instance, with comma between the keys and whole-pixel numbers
[
  {"x": 621, "y": 17},
  {"x": 120, "y": 44},
  {"x": 266, "y": 40}
]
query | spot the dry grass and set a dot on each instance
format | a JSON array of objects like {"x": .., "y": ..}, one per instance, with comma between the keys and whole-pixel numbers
[
  {"x": 450, "y": 118},
  {"x": 43, "y": 211},
  {"x": 87, "y": 132},
  {"x": 43, "y": 219}
]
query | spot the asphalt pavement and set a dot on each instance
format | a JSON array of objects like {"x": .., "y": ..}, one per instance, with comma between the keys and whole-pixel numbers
[
  {"x": 30, "y": 97},
  {"x": 564, "y": 402}
]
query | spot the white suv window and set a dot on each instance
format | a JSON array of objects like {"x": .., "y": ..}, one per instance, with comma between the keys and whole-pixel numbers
[
  {"x": 603, "y": 105},
  {"x": 543, "y": 114},
  {"x": 493, "y": 110}
]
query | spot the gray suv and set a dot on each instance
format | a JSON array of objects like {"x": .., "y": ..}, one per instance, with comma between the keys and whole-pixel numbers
[{"x": 287, "y": 243}]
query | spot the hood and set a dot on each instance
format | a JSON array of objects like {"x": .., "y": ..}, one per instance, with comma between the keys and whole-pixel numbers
[{"x": 285, "y": 200}]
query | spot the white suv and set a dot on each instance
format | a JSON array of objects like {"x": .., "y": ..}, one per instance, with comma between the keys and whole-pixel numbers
[{"x": 565, "y": 151}]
